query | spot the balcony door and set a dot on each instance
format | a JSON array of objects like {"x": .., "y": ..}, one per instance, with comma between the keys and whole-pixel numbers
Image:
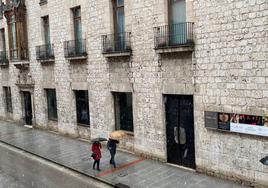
[
  {"x": 177, "y": 22},
  {"x": 119, "y": 25},
  {"x": 48, "y": 48},
  {"x": 77, "y": 30}
]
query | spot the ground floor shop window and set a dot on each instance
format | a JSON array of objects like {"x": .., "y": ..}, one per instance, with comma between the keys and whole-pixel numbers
[
  {"x": 52, "y": 104},
  {"x": 82, "y": 107},
  {"x": 8, "y": 100},
  {"x": 123, "y": 111}
]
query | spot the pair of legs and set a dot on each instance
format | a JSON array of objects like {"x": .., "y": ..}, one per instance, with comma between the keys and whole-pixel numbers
[
  {"x": 98, "y": 164},
  {"x": 112, "y": 159}
]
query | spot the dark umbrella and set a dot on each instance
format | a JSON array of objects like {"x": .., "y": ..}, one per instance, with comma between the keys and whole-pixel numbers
[
  {"x": 99, "y": 139},
  {"x": 264, "y": 160}
]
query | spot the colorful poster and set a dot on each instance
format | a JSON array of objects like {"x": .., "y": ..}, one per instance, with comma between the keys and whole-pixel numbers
[
  {"x": 224, "y": 121},
  {"x": 249, "y": 124}
]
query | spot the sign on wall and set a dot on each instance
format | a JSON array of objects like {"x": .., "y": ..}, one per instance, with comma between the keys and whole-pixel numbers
[{"x": 240, "y": 123}]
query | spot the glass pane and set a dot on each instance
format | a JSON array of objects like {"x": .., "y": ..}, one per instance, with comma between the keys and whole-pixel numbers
[
  {"x": 52, "y": 104},
  {"x": 13, "y": 30},
  {"x": 46, "y": 30},
  {"x": 8, "y": 99},
  {"x": 178, "y": 28},
  {"x": 82, "y": 107},
  {"x": 123, "y": 108},
  {"x": 120, "y": 3},
  {"x": 178, "y": 11}
]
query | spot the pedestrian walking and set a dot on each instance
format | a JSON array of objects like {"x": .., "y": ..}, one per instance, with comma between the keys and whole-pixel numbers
[
  {"x": 96, "y": 149},
  {"x": 111, "y": 145}
]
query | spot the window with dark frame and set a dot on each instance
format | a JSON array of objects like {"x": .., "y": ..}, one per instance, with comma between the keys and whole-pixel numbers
[
  {"x": 7, "y": 93},
  {"x": 52, "y": 104},
  {"x": 46, "y": 28},
  {"x": 77, "y": 23},
  {"x": 82, "y": 107},
  {"x": 123, "y": 111},
  {"x": 119, "y": 16}
]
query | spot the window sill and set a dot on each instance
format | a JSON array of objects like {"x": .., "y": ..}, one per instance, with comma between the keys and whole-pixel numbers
[
  {"x": 83, "y": 125},
  {"x": 53, "y": 120},
  {"x": 129, "y": 133}
]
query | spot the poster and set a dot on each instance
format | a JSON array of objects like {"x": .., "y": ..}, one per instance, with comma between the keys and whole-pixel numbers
[
  {"x": 223, "y": 121},
  {"x": 239, "y": 123},
  {"x": 249, "y": 124}
]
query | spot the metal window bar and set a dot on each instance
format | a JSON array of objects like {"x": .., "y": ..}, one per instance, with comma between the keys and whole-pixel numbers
[
  {"x": 116, "y": 43},
  {"x": 3, "y": 57},
  {"x": 174, "y": 35},
  {"x": 16, "y": 54},
  {"x": 75, "y": 48},
  {"x": 45, "y": 52}
]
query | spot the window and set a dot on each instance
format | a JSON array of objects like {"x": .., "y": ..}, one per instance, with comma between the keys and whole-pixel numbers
[
  {"x": 177, "y": 22},
  {"x": 7, "y": 96},
  {"x": 119, "y": 24},
  {"x": 52, "y": 104},
  {"x": 123, "y": 111},
  {"x": 46, "y": 29},
  {"x": 77, "y": 23},
  {"x": 82, "y": 107},
  {"x": 2, "y": 40},
  {"x": 119, "y": 16},
  {"x": 13, "y": 38}
]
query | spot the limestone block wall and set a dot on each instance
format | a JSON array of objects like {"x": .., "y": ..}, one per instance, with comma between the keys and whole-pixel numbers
[{"x": 231, "y": 76}]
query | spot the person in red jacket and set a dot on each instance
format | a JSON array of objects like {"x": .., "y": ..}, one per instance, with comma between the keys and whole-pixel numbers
[{"x": 96, "y": 149}]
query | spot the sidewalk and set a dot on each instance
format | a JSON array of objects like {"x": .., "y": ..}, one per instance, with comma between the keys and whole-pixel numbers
[{"x": 132, "y": 170}]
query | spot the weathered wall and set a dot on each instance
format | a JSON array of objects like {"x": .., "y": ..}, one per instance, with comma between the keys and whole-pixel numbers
[
  {"x": 227, "y": 72},
  {"x": 231, "y": 76}
]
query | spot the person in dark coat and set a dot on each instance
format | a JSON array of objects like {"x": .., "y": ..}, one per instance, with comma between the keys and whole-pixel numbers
[
  {"x": 111, "y": 145},
  {"x": 96, "y": 149}
]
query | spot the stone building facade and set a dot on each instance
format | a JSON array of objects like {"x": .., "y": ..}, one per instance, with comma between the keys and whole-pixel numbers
[{"x": 222, "y": 68}]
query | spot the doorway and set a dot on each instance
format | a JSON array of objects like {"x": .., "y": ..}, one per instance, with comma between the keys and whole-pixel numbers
[
  {"x": 180, "y": 130},
  {"x": 28, "y": 107}
]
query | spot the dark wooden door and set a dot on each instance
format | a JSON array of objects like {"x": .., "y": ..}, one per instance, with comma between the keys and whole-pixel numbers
[
  {"x": 180, "y": 130},
  {"x": 28, "y": 108}
]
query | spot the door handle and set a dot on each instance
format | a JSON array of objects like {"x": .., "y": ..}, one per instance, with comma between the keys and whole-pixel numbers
[{"x": 176, "y": 135}]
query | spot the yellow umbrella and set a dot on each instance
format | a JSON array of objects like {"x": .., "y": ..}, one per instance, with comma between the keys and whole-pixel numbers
[{"x": 117, "y": 135}]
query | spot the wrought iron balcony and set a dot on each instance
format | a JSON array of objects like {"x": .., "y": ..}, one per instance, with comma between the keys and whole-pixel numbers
[
  {"x": 45, "y": 52},
  {"x": 75, "y": 49},
  {"x": 19, "y": 55},
  {"x": 174, "y": 35},
  {"x": 3, "y": 58},
  {"x": 118, "y": 43}
]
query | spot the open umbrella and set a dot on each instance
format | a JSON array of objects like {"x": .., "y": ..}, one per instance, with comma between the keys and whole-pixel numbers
[
  {"x": 99, "y": 139},
  {"x": 264, "y": 160},
  {"x": 117, "y": 135}
]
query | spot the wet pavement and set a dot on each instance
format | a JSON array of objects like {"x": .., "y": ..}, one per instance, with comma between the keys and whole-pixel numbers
[
  {"x": 7, "y": 181},
  {"x": 131, "y": 170}
]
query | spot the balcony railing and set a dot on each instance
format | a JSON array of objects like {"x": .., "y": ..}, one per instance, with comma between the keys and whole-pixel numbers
[
  {"x": 42, "y": 2},
  {"x": 17, "y": 55},
  {"x": 75, "y": 48},
  {"x": 45, "y": 52},
  {"x": 3, "y": 58},
  {"x": 174, "y": 35},
  {"x": 116, "y": 43}
]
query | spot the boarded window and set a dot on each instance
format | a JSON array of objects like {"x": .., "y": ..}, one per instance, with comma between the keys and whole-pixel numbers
[
  {"x": 123, "y": 111},
  {"x": 52, "y": 104},
  {"x": 82, "y": 107},
  {"x": 8, "y": 100}
]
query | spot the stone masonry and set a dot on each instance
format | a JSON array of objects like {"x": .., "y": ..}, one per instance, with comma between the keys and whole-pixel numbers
[{"x": 228, "y": 71}]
